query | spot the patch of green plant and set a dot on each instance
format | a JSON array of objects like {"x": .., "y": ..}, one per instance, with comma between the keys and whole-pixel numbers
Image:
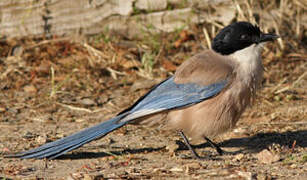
[
  {"x": 177, "y": 32},
  {"x": 154, "y": 42},
  {"x": 294, "y": 159},
  {"x": 102, "y": 37},
  {"x": 170, "y": 7},
  {"x": 289, "y": 159},
  {"x": 136, "y": 11},
  {"x": 148, "y": 61},
  {"x": 304, "y": 158},
  {"x": 56, "y": 86},
  {"x": 151, "y": 38},
  {"x": 182, "y": 4}
]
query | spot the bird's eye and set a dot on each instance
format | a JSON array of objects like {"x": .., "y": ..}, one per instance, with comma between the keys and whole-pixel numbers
[{"x": 244, "y": 36}]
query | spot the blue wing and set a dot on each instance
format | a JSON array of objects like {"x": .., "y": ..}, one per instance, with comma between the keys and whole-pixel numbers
[{"x": 169, "y": 95}]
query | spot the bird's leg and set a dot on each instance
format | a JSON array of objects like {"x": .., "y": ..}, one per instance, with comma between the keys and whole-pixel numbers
[
  {"x": 214, "y": 145},
  {"x": 189, "y": 145}
]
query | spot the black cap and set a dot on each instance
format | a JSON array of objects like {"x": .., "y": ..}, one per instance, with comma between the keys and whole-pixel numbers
[{"x": 237, "y": 36}]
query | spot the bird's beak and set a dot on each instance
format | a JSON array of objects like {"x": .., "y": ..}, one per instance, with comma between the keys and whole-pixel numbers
[{"x": 268, "y": 37}]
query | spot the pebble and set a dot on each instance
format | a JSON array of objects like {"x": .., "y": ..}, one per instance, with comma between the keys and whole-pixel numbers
[
  {"x": 88, "y": 177},
  {"x": 30, "y": 89},
  {"x": 238, "y": 157},
  {"x": 176, "y": 169},
  {"x": 267, "y": 157},
  {"x": 2, "y": 109},
  {"x": 87, "y": 102}
]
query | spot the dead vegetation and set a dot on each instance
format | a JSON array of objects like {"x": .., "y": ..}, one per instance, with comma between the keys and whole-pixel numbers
[{"x": 51, "y": 87}]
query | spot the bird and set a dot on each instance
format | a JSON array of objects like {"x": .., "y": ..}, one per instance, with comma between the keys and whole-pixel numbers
[{"x": 204, "y": 98}]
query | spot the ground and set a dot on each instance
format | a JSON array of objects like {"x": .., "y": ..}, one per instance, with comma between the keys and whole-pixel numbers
[{"x": 54, "y": 86}]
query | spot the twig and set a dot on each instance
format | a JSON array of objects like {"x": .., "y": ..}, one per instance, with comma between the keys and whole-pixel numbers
[
  {"x": 101, "y": 59},
  {"x": 55, "y": 87},
  {"x": 159, "y": 53},
  {"x": 144, "y": 74},
  {"x": 290, "y": 86},
  {"x": 250, "y": 13},
  {"x": 240, "y": 12},
  {"x": 215, "y": 24},
  {"x": 207, "y": 37},
  {"x": 94, "y": 51},
  {"x": 114, "y": 72},
  {"x": 288, "y": 123},
  {"x": 47, "y": 42},
  {"x": 299, "y": 79},
  {"x": 75, "y": 108}
]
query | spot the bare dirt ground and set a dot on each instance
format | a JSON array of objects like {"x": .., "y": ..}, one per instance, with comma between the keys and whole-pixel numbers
[{"x": 52, "y": 87}]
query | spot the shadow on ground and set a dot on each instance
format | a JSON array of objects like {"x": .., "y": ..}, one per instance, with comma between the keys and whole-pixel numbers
[
  {"x": 92, "y": 155},
  {"x": 251, "y": 144},
  {"x": 264, "y": 140}
]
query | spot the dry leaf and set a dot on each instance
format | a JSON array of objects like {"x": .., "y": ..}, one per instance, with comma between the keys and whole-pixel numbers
[
  {"x": 183, "y": 36},
  {"x": 168, "y": 65},
  {"x": 130, "y": 64}
]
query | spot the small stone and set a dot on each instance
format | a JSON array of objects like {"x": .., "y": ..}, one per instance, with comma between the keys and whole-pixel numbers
[
  {"x": 80, "y": 120},
  {"x": 151, "y": 5},
  {"x": 267, "y": 157},
  {"x": 239, "y": 157},
  {"x": 156, "y": 170},
  {"x": 76, "y": 175},
  {"x": 41, "y": 139},
  {"x": 43, "y": 68},
  {"x": 30, "y": 89},
  {"x": 13, "y": 110},
  {"x": 88, "y": 177},
  {"x": 87, "y": 102},
  {"x": 145, "y": 84},
  {"x": 245, "y": 175},
  {"x": 2, "y": 109},
  {"x": 290, "y": 97},
  {"x": 176, "y": 169},
  {"x": 28, "y": 135},
  {"x": 17, "y": 50},
  {"x": 194, "y": 165},
  {"x": 277, "y": 98},
  {"x": 70, "y": 178},
  {"x": 261, "y": 177},
  {"x": 131, "y": 64}
]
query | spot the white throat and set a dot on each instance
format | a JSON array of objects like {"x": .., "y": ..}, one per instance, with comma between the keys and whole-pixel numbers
[
  {"x": 249, "y": 55},
  {"x": 249, "y": 64}
]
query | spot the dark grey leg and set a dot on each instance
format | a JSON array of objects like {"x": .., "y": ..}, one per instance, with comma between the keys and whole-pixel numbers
[
  {"x": 214, "y": 145},
  {"x": 189, "y": 145}
]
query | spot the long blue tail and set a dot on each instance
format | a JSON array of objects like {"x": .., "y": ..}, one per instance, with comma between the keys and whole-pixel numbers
[{"x": 57, "y": 148}]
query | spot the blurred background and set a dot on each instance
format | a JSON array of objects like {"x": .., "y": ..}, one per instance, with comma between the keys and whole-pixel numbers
[{"x": 66, "y": 65}]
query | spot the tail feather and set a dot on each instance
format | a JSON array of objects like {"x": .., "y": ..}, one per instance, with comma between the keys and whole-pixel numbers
[
  {"x": 51, "y": 153},
  {"x": 54, "y": 149},
  {"x": 60, "y": 149}
]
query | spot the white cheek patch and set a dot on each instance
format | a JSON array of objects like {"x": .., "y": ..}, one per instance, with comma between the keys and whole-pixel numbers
[
  {"x": 249, "y": 62},
  {"x": 248, "y": 55}
]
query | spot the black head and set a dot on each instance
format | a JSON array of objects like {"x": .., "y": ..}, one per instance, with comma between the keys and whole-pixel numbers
[{"x": 238, "y": 36}]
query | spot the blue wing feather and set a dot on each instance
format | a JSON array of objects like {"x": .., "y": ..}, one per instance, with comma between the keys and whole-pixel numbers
[{"x": 170, "y": 95}]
